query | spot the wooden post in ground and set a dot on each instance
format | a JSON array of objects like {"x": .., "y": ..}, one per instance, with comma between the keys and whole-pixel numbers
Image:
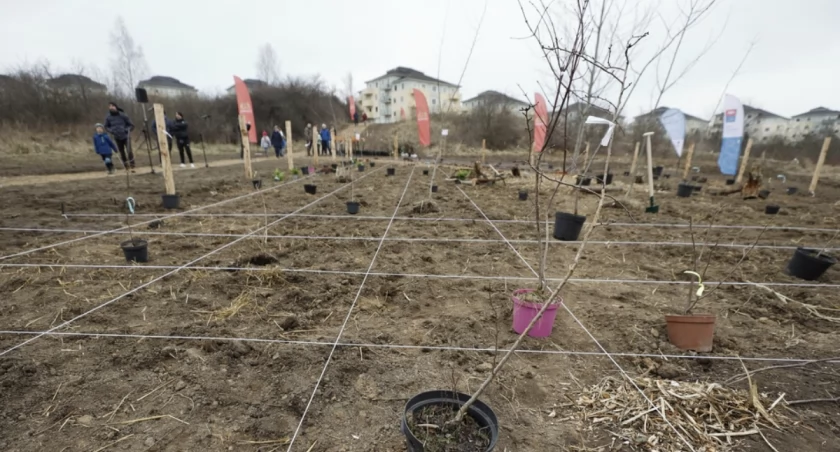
[
  {"x": 333, "y": 145},
  {"x": 635, "y": 159},
  {"x": 315, "y": 148},
  {"x": 246, "y": 145},
  {"x": 585, "y": 158},
  {"x": 396, "y": 148},
  {"x": 744, "y": 162},
  {"x": 168, "y": 179},
  {"x": 816, "y": 177},
  {"x": 483, "y": 151},
  {"x": 688, "y": 161},
  {"x": 290, "y": 160},
  {"x": 350, "y": 147}
]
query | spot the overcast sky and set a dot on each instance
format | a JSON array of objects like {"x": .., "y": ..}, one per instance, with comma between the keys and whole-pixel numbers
[{"x": 794, "y": 66}]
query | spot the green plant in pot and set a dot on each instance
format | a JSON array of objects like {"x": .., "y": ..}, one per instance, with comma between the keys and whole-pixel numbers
[
  {"x": 296, "y": 173},
  {"x": 279, "y": 175}
]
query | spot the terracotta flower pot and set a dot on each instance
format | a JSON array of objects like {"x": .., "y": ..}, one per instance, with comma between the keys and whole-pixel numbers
[{"x": 691, "y": 332}]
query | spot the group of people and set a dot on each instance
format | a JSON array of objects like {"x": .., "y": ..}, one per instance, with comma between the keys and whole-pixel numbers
[
  {"x": 277, "y": 141},
  {"x": 325, "y": 138}
]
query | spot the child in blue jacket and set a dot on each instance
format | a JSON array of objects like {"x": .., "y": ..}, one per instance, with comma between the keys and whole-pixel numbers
[{"x": 104, "y": 146}]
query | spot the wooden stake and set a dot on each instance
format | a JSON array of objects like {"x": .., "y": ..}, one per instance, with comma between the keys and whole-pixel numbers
[
  {"x": 483, "y": 151},
  {"x": 168, "y": 179},
  {"x": 744, "y": 161},
  {"x": 396, "y": 148},
  {"x": 246, "y": 145},
  {"x": 350, "y": 147},
  {"x": 816, "y": 178},
  {"x": 635, "y": 159},
  {"x": 315, "y": 147},
  {"x": 289, "y": 159},
  {"x": 585, "y": 157},
  {"x": 333, "y": 145},
  {"x": 688, "y": 161},
  {"x": 649, "y": 153}
]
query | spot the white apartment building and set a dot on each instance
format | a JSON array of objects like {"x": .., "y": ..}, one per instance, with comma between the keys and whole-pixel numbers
[
  {"x": 761, "y": 125},
  {"x": 693, "y": 124},
  {"x": 495, "y": 98},
  {"x": 818, "y": 120},
  {"x": 389, "y": 98},
  {"x": 163, "y": 86}
]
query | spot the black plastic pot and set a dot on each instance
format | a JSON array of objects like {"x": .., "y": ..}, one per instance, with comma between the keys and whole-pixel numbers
[
  {"x": 697, "y": 188},
  {"x": 334, "y": 166},
  {"x": 639, "y": 180},
  {"x": 523, "y": 195},
  {"x": 484, "y": 417},
  {"x": 392, "y": 171},
  {"x": 730, "y": 181},
  {"x": 770, "y": 209},
  {"x": 685, "y": 190},
  {"x": 425, "y": 172},
  {"x": 361, "y": 168},
  {"x": 806, "y": 265},
  {"x": 667, "y": 176},
  {"x": 352, "y": 207},
  {"x": 372, "y": 164},
  {"x": 135, "y": 250},
  {"x": 171, "y": 201},
  {"x": 702, "y": 180},
  {"x": 694, "y": 178},
  {"x": 310, "y": 188},
  {"x": 257, "y": 183},
  {"x": 657, "y": 170},
  {"x": 600, "y": 179},
  {"x": 627, "y": 173},
  {"x": 434, "y": 188},
  {"x": 764, "y": 194},
  {"x": 305, "y": 170},
  {"x": 585, "y": 181},
  {"x": 567, "y": 226},
  {"x": 792, "y": 190}
]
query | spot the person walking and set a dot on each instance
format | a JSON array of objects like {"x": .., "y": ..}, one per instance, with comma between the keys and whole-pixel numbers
[
  {"x": 119, "y": 125},
  {"x": 325, "y": 140},
  {"x": 104, "y": 146},
  {"x": 182, "y": 138},
  {"x": 278, "y": 140},
  {"x": 265, "y": 143},
  {"x": 307, "y": 134}
]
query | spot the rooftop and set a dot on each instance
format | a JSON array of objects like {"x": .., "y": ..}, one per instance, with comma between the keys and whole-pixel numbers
[
  {"x": 818, "y": 111},
  {"x": 406, "y": 72},
  {"x": 660, "y": 110},
  {"x": 169, "y": 82},
  {"x": 73, "y": 80},
  {"x": 748, "y": 109},
  {"x": 495, "y": 95},
  {"x": 251, "y": 83}
]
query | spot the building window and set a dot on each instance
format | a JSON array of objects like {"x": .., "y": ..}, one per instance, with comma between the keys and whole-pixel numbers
[
  {"x": 377, "y": 109},
  {"x": 434, "y": 101},
  {"x": 424, "y": 86},
  {"x": 434, "y": 88},
  {"x": 807, "y": 127},
  {"x": 766, "y": 129},
  {"x": 797, "y": 119}
]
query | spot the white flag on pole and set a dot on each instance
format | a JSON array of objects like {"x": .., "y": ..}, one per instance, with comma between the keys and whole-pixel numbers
[{"x": 607, "y": 136}]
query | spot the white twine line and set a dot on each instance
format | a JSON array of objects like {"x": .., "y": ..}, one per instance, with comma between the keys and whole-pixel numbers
[
  {"x": 586, "y": 330},
  {"x": 416, "y": 275},
  {"x": 172, "y": 272},
  {"x": 406, "y": 346},
  {"x": 428, "y": 239},
  {"x": 157, "y": 217},
  {"x": 349, "y": 313}
]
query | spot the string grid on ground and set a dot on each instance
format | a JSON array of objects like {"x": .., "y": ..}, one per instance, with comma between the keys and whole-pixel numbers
[
  {"x": 586, "y": 330},
  {"x": 175, "y": 270},
  {"x": 349, "y": 313},
  {"x": 157, "y": 217},
  {"x": 428, "y": 239}
]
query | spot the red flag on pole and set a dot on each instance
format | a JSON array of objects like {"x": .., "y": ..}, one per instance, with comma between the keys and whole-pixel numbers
[
  {"x": 246, "y": 109},
  {"x": 540, "y": 122},
  {"x": 402, "y": 114},
  {"x": 352, "y": 103},
  {"x": 423, "y": 132}
]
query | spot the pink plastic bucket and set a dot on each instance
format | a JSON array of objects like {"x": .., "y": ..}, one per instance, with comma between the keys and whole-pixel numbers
[{"x": 524, "y": 312}]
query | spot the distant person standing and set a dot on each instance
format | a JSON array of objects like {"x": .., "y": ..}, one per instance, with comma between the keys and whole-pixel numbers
[
  {"x": 307, "y": 134},
  {"x": 356, "y": 117},
  {"x": 265, "y": 143},
  {"x": 104, "y": 147},
  {"x": 182, "y": 137},
  {"x": 118, "y": 124},
  {"x": 325, "y": 140},
  {"x": 278, "y": 141}
]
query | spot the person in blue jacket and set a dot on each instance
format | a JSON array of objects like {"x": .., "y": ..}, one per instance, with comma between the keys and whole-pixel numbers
[
  {"x": 325, "y": 140},
  {"x": 278, "y": 141},
  {"x": 104, "y": 146}
]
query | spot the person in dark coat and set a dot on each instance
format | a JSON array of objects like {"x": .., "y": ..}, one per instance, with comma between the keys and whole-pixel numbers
[
  {"x": 278, "y": 141},
  {"x": 119, "y": 125},
  {"x": 356, "y": 117},
  {"x": 325, "y": 140},
  {"x": 104, "y": 146},
  {"x": 182, "y": 138},
  {"x": 168, "y": 124}
]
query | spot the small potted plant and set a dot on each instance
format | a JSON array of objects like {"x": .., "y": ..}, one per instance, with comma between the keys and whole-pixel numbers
[
  {"x": 688, "y": 331},
  {"x": 296, "y": 173},
  {"x": 279, "y": 175},
  {"x": 810, "y": 264}
]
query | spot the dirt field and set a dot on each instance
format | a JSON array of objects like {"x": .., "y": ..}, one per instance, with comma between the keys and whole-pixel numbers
[{"x": 226, "y": 354}]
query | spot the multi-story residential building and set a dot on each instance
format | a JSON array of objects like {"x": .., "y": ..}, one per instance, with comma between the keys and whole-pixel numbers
[
  {"x": 820, "y": 120},
  {"x": 693, "y": 124},
  {"x": 162, "y": 86},
  {"x": 495, "y": 98},
  {"x": 76, "y": 84},
  {"x": 759, "y": 124},
  {"x": 389, "y": 98}
]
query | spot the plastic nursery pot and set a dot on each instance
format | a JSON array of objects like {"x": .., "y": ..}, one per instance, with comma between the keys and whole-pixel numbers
[
  {"x": 771, "y": 209},
  {"x": 694, "y": 178},
  {"x": 257, "y": 183},
  {"x": 730, "y": 181},
  {"x": 392, "y": 171},
  {"x": 627, "y": 173},
  {"x": 567, "y": 226},
  {"x": 425, "y": 172},
  {"x": 171, "y": 201},
  {"x": 334, "y": 166},
  {"x": 305, "y": 170},
  {"x": 484, "y": 417},
  {"x": 691, "y": 332},
  {"x": 135, "y": 250},
  {"x": 697, "y": 188},
  {"x": 657, "y": 170},
  {"x": 584, "y": 181},
  {"x": 600, "y": 179},
  {"x": 764, "y": 194},
  {"x": 523, "y": 195},
  {"x": 639, "y": 180},
  {"x": 792, "y": 190},
  {"x": 310, "y": 188},
  {"x": 353, "y": 207},
  {"x": 685, "y": 190},
  {"x": 809, "y": 264},
  {"x": 434, "y": 188},
  {"x": 667, "y": 176},
  {"x": 361, "y": 168},
  {"x": 525, "y": 311},
  {"x": 702, "y": 180},
  {"x": 372, "y": 164}
]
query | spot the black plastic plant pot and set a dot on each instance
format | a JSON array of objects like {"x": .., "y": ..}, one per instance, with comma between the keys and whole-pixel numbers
[
  {"x": 685, "y": 190},
  {"x": 257, "y": 183},
  {"x": 639, "y": 180},
  {"x": 792, "y": 190},
  {"x": 764, "y": 194},
  {"x": 361, "y": 168},
  {"x": 334, "y": 166},
  {"x": 702, "y": 180},
  {"x": 434, "y": 188},
  {"x": 171, "y": 201},
  {"x": 809, "y": 264},
  {"x": 484, "y": 417},
  {"x": 523, "y": 195},
  {"x": 600, "y": 179},
  {"x": 310, "y": 188},
  {"x": 657, "y": 170},
  {"x": 770, "y": 209},
  {"x": 667, "y": 176},
  {"x": 694, "y": 178},
  {"x": 372, "y": 164},
  {"x": 425, "y": 172},
  {"x": 353, "y": 207},
  {"x": 730, "y": 181},
  {"x": 586, "y": 181},
  {"x": 135, "y": 250},
  {"x": 697, "y": 188},
  {"x": 305, "y": 170},
  {"x": 627, "y": 173},
  {"x": 567, "y": 226},
  {"x": 392, "y": 171}
]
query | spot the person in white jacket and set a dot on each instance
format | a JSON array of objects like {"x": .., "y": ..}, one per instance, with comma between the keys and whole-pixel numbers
[{"x": 265, "y": 143}]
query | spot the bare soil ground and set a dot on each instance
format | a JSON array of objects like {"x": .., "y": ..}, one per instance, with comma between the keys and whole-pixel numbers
[{"x": 213, "y": 358}]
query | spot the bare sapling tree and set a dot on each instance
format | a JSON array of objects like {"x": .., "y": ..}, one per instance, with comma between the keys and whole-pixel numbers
[
  {"x": 268, "y": 65},
  {"x": 128, "y": 64}
]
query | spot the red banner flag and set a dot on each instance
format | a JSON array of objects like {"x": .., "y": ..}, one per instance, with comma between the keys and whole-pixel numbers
[
  {"x": 423, "y": 132},
  {"x": 246, "y": 109},
  {"x": 402, "y": 114},
  {"x": 352, "y": 103},
  {"x": 540, "y": 122}
]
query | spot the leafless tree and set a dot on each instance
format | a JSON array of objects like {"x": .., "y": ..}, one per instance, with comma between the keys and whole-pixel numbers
[
  {"x": 268, "y": 65},
  {"x": 128, "y": 65}
]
